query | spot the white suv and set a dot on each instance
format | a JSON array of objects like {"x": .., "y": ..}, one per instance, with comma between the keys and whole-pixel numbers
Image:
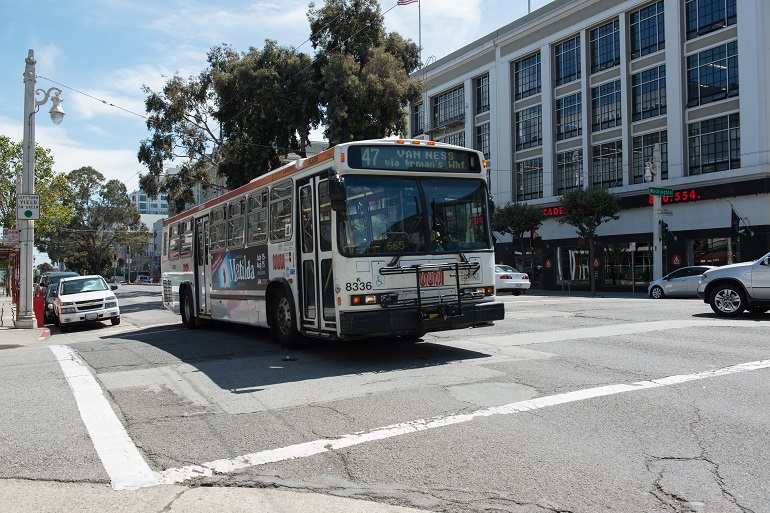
[{"x": 84, "y": 299}]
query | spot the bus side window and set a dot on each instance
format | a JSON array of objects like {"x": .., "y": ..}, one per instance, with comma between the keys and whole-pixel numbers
[
  {"x": 218, "y": 229},
  {"x": 165, "y": 243},
  {"x": 236, "y": 224},
  {"x": 186, "y": 238},
  {"x": 257, "y": 218},
  {"x": 325, "y": 216},
  {"x": 280, "y": 211},
  {"x": 173, "y": 241}
]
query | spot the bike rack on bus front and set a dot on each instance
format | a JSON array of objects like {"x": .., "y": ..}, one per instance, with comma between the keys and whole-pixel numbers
[{"x": 430, "y": 308}]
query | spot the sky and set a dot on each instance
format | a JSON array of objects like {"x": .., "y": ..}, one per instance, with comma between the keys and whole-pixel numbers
[{"x": 101, "y": 53}]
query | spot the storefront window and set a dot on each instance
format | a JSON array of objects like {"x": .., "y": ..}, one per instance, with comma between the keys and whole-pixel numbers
[
  {"x": 719, "y": 251},
  {"x": 627, "y": 264},
  {"x": 572, "y": 266}
]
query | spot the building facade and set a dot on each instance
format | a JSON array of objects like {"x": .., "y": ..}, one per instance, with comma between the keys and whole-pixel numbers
[
  {"x": 578, "y": 94},
  {"x": 154, "y": 205}
]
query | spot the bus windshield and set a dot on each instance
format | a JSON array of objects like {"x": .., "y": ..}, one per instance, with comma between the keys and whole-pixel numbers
[{"x": 409, "y": 216}]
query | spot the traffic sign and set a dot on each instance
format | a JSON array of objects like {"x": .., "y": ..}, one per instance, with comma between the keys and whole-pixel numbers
[
  {"x": 661, "y": 191},
  {"x": 28, "y": 207}
]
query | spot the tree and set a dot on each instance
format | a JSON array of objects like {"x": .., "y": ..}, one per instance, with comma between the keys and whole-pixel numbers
[
  {"x": 52, "y": 188},
  {"x": 103, "y": 219},
  {"x": 269, "y": 103},
  {"x": 517, "y": 219},
  {"x": 586, "y": 210},
  {"x": 364, "y": 71}
]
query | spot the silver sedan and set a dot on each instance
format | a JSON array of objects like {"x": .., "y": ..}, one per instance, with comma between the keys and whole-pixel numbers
[{"x": 680, "y": 283}]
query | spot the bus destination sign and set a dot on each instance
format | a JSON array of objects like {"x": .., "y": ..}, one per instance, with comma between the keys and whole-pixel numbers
[{"x": 412, "y": 158}]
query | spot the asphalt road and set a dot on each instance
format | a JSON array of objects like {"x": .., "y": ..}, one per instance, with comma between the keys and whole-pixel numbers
[{"x": 570, "y": 404}]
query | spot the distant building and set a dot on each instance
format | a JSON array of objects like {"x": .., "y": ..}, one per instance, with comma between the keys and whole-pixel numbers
[{"x": 156, "y": 205}]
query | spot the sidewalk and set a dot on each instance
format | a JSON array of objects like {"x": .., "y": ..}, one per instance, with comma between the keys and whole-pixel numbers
[{"x": 10, "y": 336}]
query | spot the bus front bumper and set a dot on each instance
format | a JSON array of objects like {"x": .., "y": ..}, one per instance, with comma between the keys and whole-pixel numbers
[{"x": 408, "y": 321}]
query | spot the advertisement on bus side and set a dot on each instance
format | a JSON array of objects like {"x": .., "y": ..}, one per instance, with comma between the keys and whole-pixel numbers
[{"x": 240, "y": 269}]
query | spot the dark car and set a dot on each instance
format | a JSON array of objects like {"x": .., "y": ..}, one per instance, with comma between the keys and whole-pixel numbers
[
  {"x": 53, "y": 278},
  {"x": 48, "y": 314}
]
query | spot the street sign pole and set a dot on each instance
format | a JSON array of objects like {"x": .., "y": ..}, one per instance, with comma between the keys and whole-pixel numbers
[{"x": 657, "y": 249}]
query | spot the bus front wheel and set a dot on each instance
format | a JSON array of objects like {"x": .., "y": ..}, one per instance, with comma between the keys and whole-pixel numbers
[
  {"x": 187, "y": 309},
  {"x": 282, "y": 329}
]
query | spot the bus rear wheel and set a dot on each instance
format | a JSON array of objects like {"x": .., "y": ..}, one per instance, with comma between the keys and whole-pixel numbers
[
  {"x": 187, "y": 309},
  {"x": 282, "y": 328}
]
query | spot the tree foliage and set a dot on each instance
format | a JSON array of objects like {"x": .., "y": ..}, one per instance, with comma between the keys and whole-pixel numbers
[
  {"x": 245, "y": 112},
  {"x": 364, "y": 71},
  {"x": 586, "y": 210},
  {"x": 518, "y": 219},
  {"x": 103, "y": 219},
  {"x": 52, "y": 188}
]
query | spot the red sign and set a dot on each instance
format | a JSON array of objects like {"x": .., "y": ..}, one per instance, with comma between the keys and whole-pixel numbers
[
  {"x": 548, "y": 263},
  {"x": 596, "y": 262},
  {"x": 676, "y": 259},
  {"x": 432, "y": 279}
]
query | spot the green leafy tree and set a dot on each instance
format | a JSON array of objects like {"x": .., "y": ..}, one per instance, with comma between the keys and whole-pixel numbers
[
  {"x": 365, "y": 79},
  {"x": 518, "y": 220},
  {"x": 52, "y": 188},
  {"x": 269, "y": 103},
  {"x": 103, "y": 219},
  {"x": 586, "y": 210}
]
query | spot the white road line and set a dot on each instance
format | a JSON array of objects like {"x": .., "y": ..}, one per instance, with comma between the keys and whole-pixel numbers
[
  {"x": 304, "y": 450},
  {"x": 121, "y": 459}
]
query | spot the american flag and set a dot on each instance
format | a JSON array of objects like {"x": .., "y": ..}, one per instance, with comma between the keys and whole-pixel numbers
[{"x": 407, "y": 2}]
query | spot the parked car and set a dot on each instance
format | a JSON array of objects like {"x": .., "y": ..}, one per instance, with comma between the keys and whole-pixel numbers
[
  {"x": 509, "y": 279},
  {"x": 48, "y": 314},
  {"x": 143, "y": 278},
  {"x": 680, "y": 283},
  {"x": 53, "y": 279},
  {"x": 82, "y": 299},
  {"x": 731, "y": 289}
]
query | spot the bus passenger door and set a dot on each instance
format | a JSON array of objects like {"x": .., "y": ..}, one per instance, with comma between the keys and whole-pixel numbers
[
  {"x": 202, "y": 265},
  {"x": 317, "y": 284}
]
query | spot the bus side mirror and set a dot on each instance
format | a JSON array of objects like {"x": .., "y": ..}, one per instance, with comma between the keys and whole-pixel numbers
[{"x": 337, "y": 193}]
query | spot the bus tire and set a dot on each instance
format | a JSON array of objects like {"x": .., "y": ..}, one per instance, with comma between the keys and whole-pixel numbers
[
  {"x": 283, "y": 328},
  {"x": 187, "y": 308}
]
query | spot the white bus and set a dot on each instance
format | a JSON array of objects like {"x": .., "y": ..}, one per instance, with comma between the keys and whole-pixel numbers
[{"x": 366, "y": 239}]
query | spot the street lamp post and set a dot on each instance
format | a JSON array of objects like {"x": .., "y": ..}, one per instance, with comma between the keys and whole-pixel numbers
[
  {"x": 652, "y": 172},
  {"x": 25, "y": 317}
]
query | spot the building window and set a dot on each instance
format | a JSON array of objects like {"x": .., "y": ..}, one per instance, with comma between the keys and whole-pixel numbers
[
  {"x": 704, "y": 16},
  {"x": 648, "y": 93},
  {"x": 449, "y": 107},
  {"x": 644, "y": 145},
  {"x": 529, "y": 179},
  {"x": 567, "y": 61},
  {"x": 607, "y": 170},
  {"x": 529, "y": 127},
  {"x": 605, "y": 46},
  {"x": 714, "y": 144},
  {"x": 418, "y": 119},
  {"x": 457, "y": 138},
  {"x": 482, "y": 94},
  {"x": 569, "y": 116},
  {"x": 712, "y": 74},
  {"x": 527, "y": 76},
  {"x": 569, "y": 171},
  {"x": 483, "y": 139},
  {"x": 647, "y": 30},
  {"x": 605, "y": 106}
]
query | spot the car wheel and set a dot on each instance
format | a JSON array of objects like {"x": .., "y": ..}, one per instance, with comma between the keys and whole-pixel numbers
[
  {"x": 756, "y": 309},
  {"x": 115, "y": 321},
  {"x": 656, "y": 292},
  {"x": 187, "y": 309},
  {"x": 728, "y": 300},
  {"x": 282, "y": 328},
  {"x": 63, "y": 328}
]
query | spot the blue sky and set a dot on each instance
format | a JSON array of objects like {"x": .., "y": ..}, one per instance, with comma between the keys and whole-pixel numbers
[{"x": 107, "y": 49}]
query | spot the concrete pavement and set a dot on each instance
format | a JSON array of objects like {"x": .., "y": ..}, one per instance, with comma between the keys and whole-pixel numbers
[{"x": 28, "y": 496}]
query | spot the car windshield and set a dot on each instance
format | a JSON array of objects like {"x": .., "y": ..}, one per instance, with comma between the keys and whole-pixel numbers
[{"x": 84, "y": 285}]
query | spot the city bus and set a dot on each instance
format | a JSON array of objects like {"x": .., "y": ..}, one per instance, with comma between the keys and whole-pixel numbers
[{"x": 366, "y": 239}]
